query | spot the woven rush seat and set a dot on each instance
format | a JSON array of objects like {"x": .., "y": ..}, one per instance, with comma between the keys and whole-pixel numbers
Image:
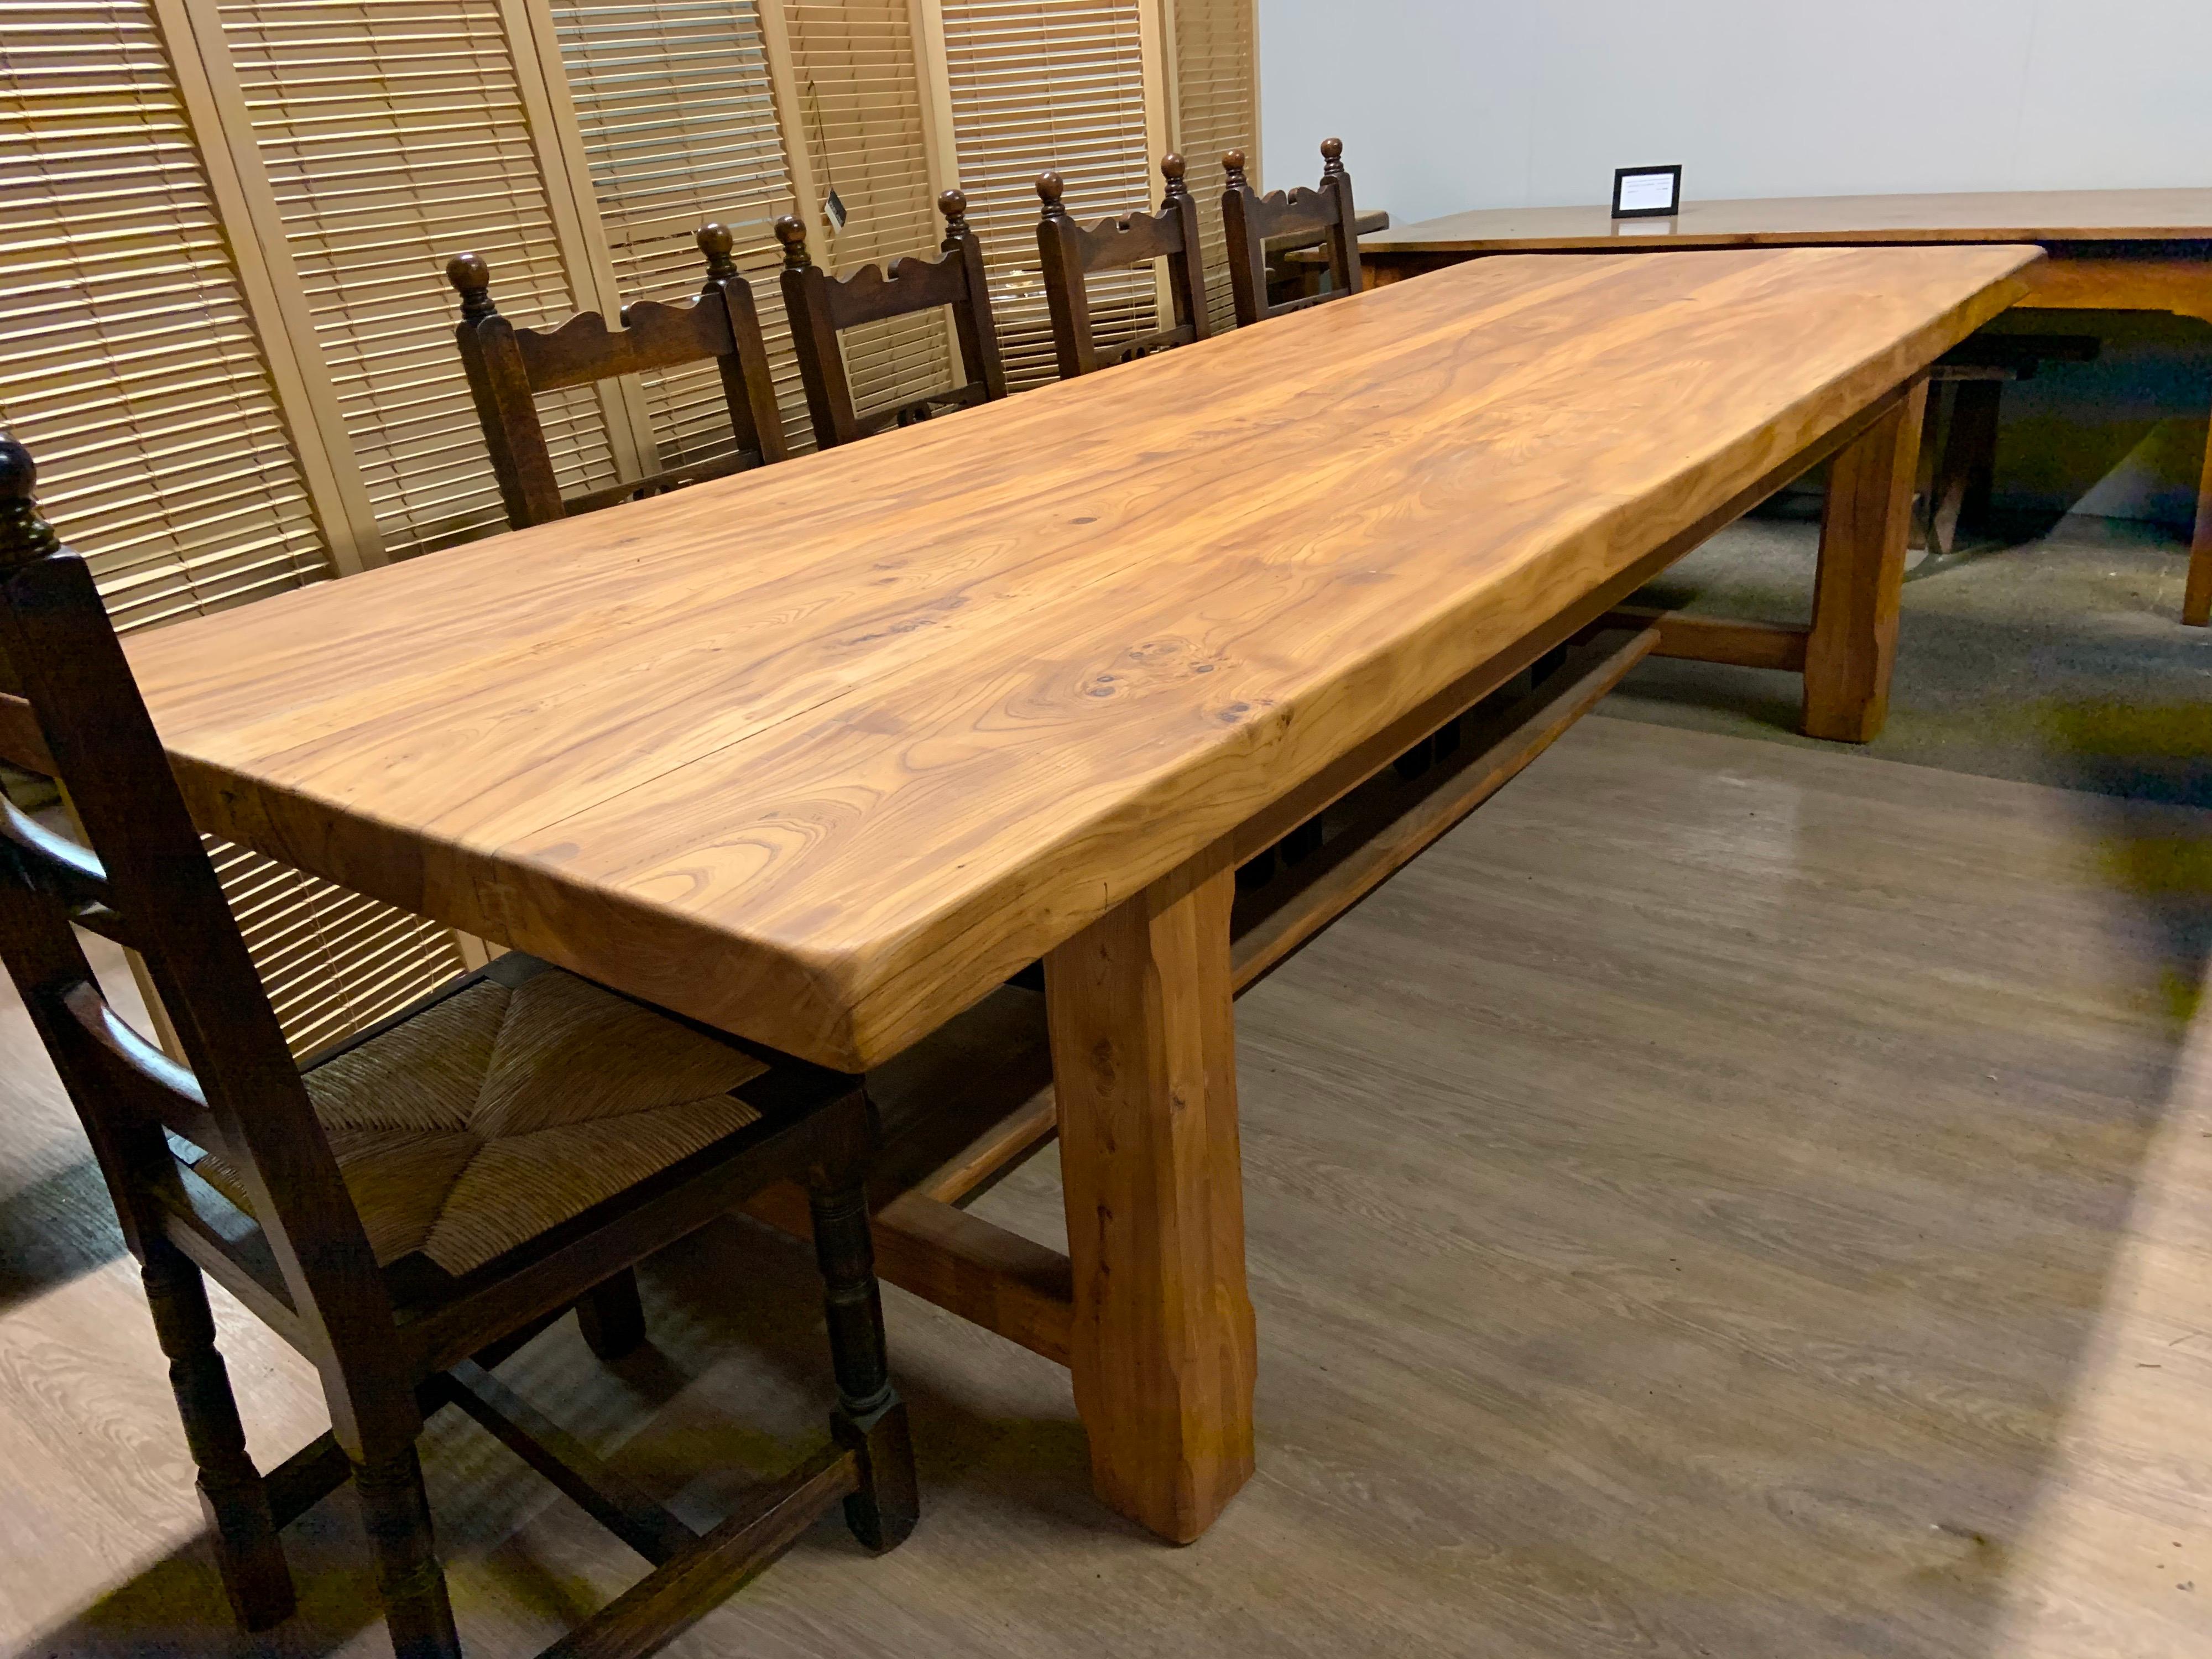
[{"x": 515, "y": 1100}]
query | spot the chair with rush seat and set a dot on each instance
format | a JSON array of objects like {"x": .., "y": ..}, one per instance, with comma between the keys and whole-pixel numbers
[
  {"x": 1252, "y": 220},
  {"x": 508, "y": 367},
  {"x": 415, "y": 1205},
  {"x": 1068, "y": 253},
  {"x": 822, "y": 307}
]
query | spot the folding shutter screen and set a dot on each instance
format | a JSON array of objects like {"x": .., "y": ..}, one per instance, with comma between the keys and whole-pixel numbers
[
  {"x": 1057, "y": 84},
  {"x": 134, "y": 372},
  {"x": 678, "y": 122},
  {"x": 132, "y": 367},
  {"x": 1215, "y": 47},
  {"x": 859, "y": 94},
  {"x": 396, "y": 133}
]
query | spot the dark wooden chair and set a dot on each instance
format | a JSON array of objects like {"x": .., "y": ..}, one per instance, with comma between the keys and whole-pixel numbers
[
  {"x": 1251, "y": 221},
  {"x": 1297, "y": 265},
  {"x": 508, "y": 367},
  {"x": 821, "y": 306},
  {"x": 1069, "y": 253},
  {"x": 420, "y": 1201}
]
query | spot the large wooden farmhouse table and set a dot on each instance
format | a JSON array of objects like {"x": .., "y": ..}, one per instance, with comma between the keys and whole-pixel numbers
[
  {"x": 2110, "y": 250},
  {"x": 823, "y": 753}
]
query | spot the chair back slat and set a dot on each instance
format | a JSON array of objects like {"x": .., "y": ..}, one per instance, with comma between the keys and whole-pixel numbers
[
  {"x": 822, "y": 307},
  {"x": 584, "y": 350},
  {"x": 135, "y": 1075},
  {"x": 508, "y": 367},
  {"x": 56, "y": 633},
  {"x": 1067, "y": 253},
  {"x": 1249, "y": 219},
  {"x": 70, "y": 872}
]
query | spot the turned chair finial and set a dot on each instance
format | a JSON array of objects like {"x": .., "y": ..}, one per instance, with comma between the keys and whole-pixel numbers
[
  {"x": 715, "y": 242},
  {"x": 24, "y": 532},
  {"x": 1332, "y": 158},
  {"x": 953, "y": 204},
  {"x": 1171, "y": 169},
  {"x": 793, "y": 235},
  {"x": 1049, "y": 187},
  {"x": 1232, "y": 163},
  {"x": 471, "y": 279}
]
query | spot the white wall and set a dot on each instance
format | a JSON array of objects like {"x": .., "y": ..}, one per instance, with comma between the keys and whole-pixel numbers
[{"x": 1450, "y": 104}]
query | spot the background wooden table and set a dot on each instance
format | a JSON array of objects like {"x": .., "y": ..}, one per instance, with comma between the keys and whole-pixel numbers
[
  {"x": 822, "y": 754},
  {"x": 2110, "y": 250}
]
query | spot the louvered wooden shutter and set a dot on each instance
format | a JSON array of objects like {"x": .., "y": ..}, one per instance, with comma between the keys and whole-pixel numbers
[
  {"x": 396, "y": 133},
  {"x": 1059, "y": 84},
  {"x": 859, "y": 100},
  {"x": 334, "y": 963},
  {"x": 131, "y": 368},
  {"x": 134, "y": 371},
  {"x": 1215, "y": 47},
  {"x": 677, "y": 116}
]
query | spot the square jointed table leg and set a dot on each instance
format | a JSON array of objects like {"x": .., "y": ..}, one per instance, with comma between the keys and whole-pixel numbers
[
  {"x": 1853, "y": 644},
  {"x": 1144, "y": 1064}
]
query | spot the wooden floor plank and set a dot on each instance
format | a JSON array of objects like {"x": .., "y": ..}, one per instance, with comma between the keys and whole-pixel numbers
[{"x": 1725, "y": 1199}]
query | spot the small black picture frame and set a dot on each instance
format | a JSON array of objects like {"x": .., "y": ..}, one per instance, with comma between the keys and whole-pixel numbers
[{"x": 1635, "y": 194}]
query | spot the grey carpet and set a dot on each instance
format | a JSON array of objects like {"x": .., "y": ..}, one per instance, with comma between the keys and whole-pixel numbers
[{"x": 2058, "y": 660}]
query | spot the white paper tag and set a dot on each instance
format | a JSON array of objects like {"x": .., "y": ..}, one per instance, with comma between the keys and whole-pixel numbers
[{"x": 1640, "y": 192}]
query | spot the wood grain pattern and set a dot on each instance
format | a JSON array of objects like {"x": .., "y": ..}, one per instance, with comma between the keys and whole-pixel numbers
[
  {"x": 870, "y": 730},
  {"x": 2036, "y": 216}
]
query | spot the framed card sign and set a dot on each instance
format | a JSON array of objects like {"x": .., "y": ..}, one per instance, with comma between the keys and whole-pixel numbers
[{"x": 1647, "y": 192}]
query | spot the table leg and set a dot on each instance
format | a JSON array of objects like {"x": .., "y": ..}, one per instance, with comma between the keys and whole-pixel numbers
[
  {"x": 1144, "y": 1059},
  {"x": 1968, "y": 468},
  {"x": 2196, "y": 599},
  {"x": 1855, "y": 593}
]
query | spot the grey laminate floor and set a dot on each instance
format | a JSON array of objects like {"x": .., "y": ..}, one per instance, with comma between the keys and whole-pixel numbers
[{"x": 1727, "y": 1199}]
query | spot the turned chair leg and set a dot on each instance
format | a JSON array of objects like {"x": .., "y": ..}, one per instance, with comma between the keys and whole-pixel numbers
[
  {"x": 870, "y": 1417},
  {"x": 247, "y": 1553},
  {"x": 612, "y": 1317},
  {"x": 397, "y": 1514}
]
